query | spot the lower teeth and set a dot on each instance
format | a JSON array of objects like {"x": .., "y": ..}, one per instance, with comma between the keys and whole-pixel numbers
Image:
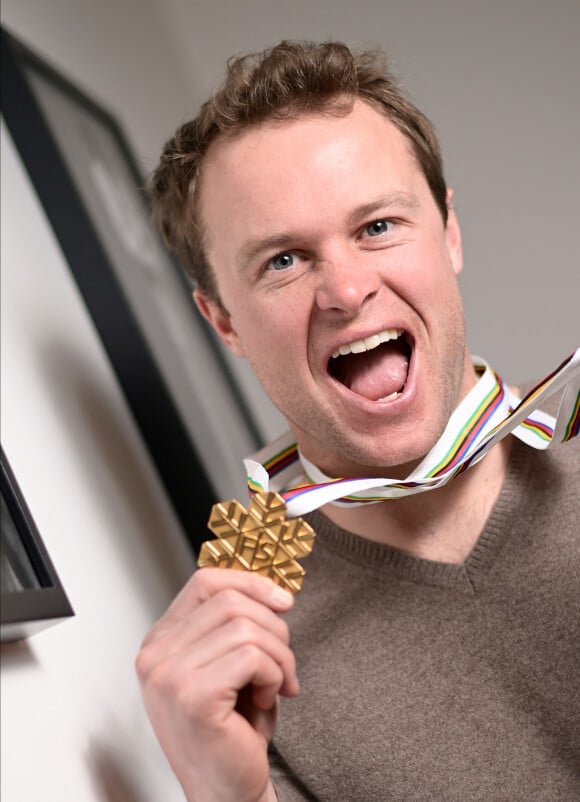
[{"x": 390, "y": 397}]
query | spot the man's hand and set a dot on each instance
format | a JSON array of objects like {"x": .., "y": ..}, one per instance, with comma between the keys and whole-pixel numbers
[{"x": 210, "y": 671}]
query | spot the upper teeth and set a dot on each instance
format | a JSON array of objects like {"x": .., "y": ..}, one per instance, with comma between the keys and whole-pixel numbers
[{"x": 368, "y": 343}]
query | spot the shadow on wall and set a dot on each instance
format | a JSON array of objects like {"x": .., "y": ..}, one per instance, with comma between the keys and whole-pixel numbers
[
  {"x": 113, "y": 472},
  {"x": 112, "y": 779},
  {"x": 17, "y": 655}
]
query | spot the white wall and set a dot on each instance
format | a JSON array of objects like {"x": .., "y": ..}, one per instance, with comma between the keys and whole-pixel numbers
[{"x": 73, "y": 726}]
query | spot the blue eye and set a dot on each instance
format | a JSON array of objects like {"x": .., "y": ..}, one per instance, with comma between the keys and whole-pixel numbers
[
  {"x": 281, "y": 262},
  {"x": 377, "y": 227}
]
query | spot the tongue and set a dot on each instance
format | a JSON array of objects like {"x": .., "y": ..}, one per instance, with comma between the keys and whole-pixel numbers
[{"x": 377, "y": 373}]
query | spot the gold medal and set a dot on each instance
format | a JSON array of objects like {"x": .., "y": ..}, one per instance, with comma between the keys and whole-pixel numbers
[{"x": 258, "y": 539}]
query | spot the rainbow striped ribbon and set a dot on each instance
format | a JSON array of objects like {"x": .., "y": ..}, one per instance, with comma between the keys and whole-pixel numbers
[{"x": 488, "y": 413}]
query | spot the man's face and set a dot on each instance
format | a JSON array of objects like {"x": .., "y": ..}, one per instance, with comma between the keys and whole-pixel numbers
[{"x": 324, "y": 237}]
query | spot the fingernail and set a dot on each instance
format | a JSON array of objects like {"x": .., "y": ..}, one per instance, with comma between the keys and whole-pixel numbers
[{"x": 281, "y": 595}]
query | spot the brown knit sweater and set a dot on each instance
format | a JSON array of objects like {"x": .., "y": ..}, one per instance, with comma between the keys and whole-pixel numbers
[{"x": 429, "y": 681}]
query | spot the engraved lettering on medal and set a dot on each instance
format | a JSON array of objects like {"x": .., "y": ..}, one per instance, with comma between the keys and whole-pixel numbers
[{"x": 258, "y": 539}]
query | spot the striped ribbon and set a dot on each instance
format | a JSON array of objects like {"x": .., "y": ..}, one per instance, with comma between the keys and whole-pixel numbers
[{"x": 488, "y": 413}]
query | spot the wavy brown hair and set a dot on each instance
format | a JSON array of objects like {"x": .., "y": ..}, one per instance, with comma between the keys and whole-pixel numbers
[{"x": 284, "y": 82}]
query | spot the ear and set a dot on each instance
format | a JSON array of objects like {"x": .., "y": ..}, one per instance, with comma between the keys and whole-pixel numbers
[
  {"x": 453, "y": 235},
  {"x": 220, "y": 320}
]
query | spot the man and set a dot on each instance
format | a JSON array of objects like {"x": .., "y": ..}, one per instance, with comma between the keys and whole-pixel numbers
[{"x": 434, "y": 636}]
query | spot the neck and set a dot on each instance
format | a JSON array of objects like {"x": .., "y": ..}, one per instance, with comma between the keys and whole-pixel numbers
[{"x": 442, "y": 525}]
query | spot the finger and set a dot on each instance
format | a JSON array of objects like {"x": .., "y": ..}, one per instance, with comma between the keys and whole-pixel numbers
[
  {"x": 155, "y": 661},
  {"x": 243, "y": 667},
  {"x": 241, "y": 632},
  {"x": 221, "y": 608},
  {"x": 212, "y": 642},
  {"x": 208, "y": 694},
  {"x": 258, "y": 711},
  {"x": 206, "y": 582}
]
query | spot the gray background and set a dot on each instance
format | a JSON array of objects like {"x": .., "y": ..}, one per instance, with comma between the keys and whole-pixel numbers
[{"x": 499, "y": 79}]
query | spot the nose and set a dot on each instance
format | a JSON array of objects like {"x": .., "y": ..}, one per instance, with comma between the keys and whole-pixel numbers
[{"x": 346, "y": 283}]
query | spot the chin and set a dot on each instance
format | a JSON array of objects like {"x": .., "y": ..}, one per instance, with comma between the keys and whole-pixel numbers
[{"x": 391, "y": 455}]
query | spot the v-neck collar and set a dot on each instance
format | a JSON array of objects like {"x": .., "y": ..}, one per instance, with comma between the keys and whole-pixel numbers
[{"x": 510, "y": 512}]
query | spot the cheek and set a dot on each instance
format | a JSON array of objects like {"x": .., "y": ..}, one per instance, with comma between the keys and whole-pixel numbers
[
  {"x": 430, "y": 275},
  {"x": 271, "y": 334},
  {"x": 284, "y": 312}
]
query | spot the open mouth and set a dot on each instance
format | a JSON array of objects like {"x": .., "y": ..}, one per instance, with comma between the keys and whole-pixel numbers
[{"x": 376, "y": 367}]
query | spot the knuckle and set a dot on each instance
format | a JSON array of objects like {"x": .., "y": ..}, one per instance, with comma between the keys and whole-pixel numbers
[
  {"x": 243, "y": 629},
  {"x": 250, "y": 653},
  {"x": 161, "y": 675},
  {"x": 229, "y": 599},
  {"x": 168, "y": 681},
  {"x": 144, "y": 664},
  {"x": 159, "y": 679}
]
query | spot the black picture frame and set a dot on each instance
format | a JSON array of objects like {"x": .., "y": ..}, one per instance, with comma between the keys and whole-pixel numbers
[
  {"x": 33, "y": 597},
  {"x": 98, "y": 235}
]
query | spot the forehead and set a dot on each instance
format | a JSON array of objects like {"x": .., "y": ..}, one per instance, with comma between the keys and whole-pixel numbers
[
  {"x": 303, "y": 167},
  {"x": 277, "y": 138}
]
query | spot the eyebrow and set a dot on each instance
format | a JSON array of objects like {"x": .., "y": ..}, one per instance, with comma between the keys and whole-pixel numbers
[
  {"x": 405, "y": 199},
  {"x": 252, "y": 249}
]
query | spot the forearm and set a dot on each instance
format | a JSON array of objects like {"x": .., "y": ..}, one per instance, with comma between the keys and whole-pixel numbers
[{"x": 194, "y": 795}]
